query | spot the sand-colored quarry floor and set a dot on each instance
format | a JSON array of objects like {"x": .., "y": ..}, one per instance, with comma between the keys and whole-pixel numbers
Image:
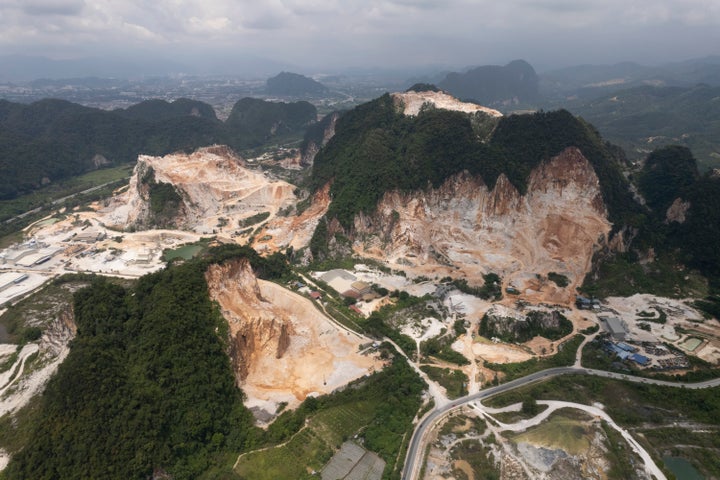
[{"x": 319, "y": 358}]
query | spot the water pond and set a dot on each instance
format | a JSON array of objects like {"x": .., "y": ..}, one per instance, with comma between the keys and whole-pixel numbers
[{"x": 682, "y": 468}]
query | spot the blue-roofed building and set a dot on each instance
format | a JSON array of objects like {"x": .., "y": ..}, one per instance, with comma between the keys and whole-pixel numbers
[
  {"x": 622, "y": 354},
  {"x": 626, "y": 347},
  {"x": 640, "y": 359}
]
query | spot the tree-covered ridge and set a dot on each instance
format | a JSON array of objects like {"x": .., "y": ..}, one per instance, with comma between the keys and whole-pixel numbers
[
  {"x": 699, "y": 236},
  {"x": 668, "y": 173},
  {"x": 51, "y": 140},
  {"x": 530, "y": 139},
  {"x": 158, "y": 109},
  {"x": 260, "y": 120},
  {"x": 423, "y": 87},
  {"x": 376, "y": 149},
  {"x": 147, "y": 386}
]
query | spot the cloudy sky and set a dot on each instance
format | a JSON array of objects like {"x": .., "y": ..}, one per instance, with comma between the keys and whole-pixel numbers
[{"x": 328, "y": 34}]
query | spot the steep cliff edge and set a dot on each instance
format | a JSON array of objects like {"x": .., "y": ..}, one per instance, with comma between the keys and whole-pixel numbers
[
  {"x": 467, "y": 228},
  {"x": 254, "y": 330},
  {"x": 196, "y": 192},
  {"x": 282, "y": 348}
]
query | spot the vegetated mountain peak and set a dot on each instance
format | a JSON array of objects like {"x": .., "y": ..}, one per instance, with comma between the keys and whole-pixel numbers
[
  {"x": 288, "y": 83},
  {"x": 423, "y": 87},
  {"x": 412, "y": 101},
  {"x": 667, "y": 174},
  {"x": 265, "y": 119},
  {"x": 432, "y": 194},
  {"x": 513, "y": 83},
  {"x": 157, "y": 109}
]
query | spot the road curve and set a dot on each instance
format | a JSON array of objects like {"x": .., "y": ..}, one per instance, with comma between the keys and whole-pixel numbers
[{"x": 414, "y": 458}]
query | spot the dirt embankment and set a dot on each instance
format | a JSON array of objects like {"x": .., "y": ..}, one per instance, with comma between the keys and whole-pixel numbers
[{"x": 283, "y": 349}]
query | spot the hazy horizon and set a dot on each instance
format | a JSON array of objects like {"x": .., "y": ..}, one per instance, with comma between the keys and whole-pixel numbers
[{"x": 331, "y": 35}]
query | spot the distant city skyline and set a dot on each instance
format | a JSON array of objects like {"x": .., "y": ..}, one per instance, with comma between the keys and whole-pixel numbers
[{"x": 331, "y": 35}]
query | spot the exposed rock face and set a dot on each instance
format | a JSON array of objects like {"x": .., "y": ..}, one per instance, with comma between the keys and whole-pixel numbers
[
  {"x": 282, "y": 347},
  {"x": 99, "y": 161},
  {"x": 411, "y": 103},
  {"x": 465, "y": 226},
  {"x": 507, "y": 325},
  {"x": 313, "y": 147},
  {"x": 295, "y": 231},
  {"x": 677, "y": 211},
  {"x": 253, "y": 333},
  {"x": 212, "y": 183}
]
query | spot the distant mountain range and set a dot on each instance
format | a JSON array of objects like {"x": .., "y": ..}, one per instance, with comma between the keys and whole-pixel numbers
[
  {"x": 495, "y": 85},
  {"x": 588, "y": 81},
  {"x": 25, "y": 68},
  {"x": 293, "y": 84},
  {"x": 644, "y": 118}
]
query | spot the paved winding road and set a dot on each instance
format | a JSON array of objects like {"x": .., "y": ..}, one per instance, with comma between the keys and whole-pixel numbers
[{"x": 413, "y": 461}]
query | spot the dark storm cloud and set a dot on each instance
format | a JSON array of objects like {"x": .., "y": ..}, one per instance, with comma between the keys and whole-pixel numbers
[{"x": 364, "y": 32}]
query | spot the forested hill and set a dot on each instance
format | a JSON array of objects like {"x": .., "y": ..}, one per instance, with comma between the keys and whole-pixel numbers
[
  {"x": 147, "y": 389},
  {"x": 376, "y": 149},
  {"x": 288, "y": 83},
  {"x": 153, "y": 110},
  {"x": 685, "y": 208},
  {"x": 51, "y": 139},
  {"x": 494, "y": 85}
]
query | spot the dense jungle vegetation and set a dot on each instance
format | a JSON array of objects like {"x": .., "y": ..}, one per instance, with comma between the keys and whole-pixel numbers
[
  {"x": 147, "y": 388},
  {"x": 51, "y": 140},
  {"x": 377, "y": 149}
]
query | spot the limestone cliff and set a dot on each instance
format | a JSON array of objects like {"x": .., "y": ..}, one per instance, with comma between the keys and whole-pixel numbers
[
  {"x": 677, "y": 211},
  {"x": 508, "y": 325},
  {"x": 254, "y": 332},
  {"x": 411, "y": 102},
  {"x": 282, "y": 348},
  {"x": 317, "y": 137},
  {"x": 209, "y": 184},
  {"x": 465, "y": 227}
]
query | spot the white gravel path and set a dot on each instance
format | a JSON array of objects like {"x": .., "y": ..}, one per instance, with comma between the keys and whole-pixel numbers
[{"x": 650, "y": 467}]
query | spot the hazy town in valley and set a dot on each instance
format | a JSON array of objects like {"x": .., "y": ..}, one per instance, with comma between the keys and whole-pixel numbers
[{"x": 345, "y": 240}]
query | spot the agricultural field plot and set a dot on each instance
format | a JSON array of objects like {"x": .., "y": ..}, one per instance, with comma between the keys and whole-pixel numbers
[
  {"x": 352, "y": 462},
  {"x": 308, "y": 450}
]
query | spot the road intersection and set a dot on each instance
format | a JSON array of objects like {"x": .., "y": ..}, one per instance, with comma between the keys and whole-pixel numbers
[{"x": 418, "y": 442}]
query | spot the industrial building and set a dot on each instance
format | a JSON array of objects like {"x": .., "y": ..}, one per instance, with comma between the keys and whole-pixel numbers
[
  {"x": 615, "y": 327},
  {"x": 11, "y": 279},
  {"x": 89, "y": 236},
  {"x": 38, "y": 257},
  {"x": 340, "y": 280}
]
